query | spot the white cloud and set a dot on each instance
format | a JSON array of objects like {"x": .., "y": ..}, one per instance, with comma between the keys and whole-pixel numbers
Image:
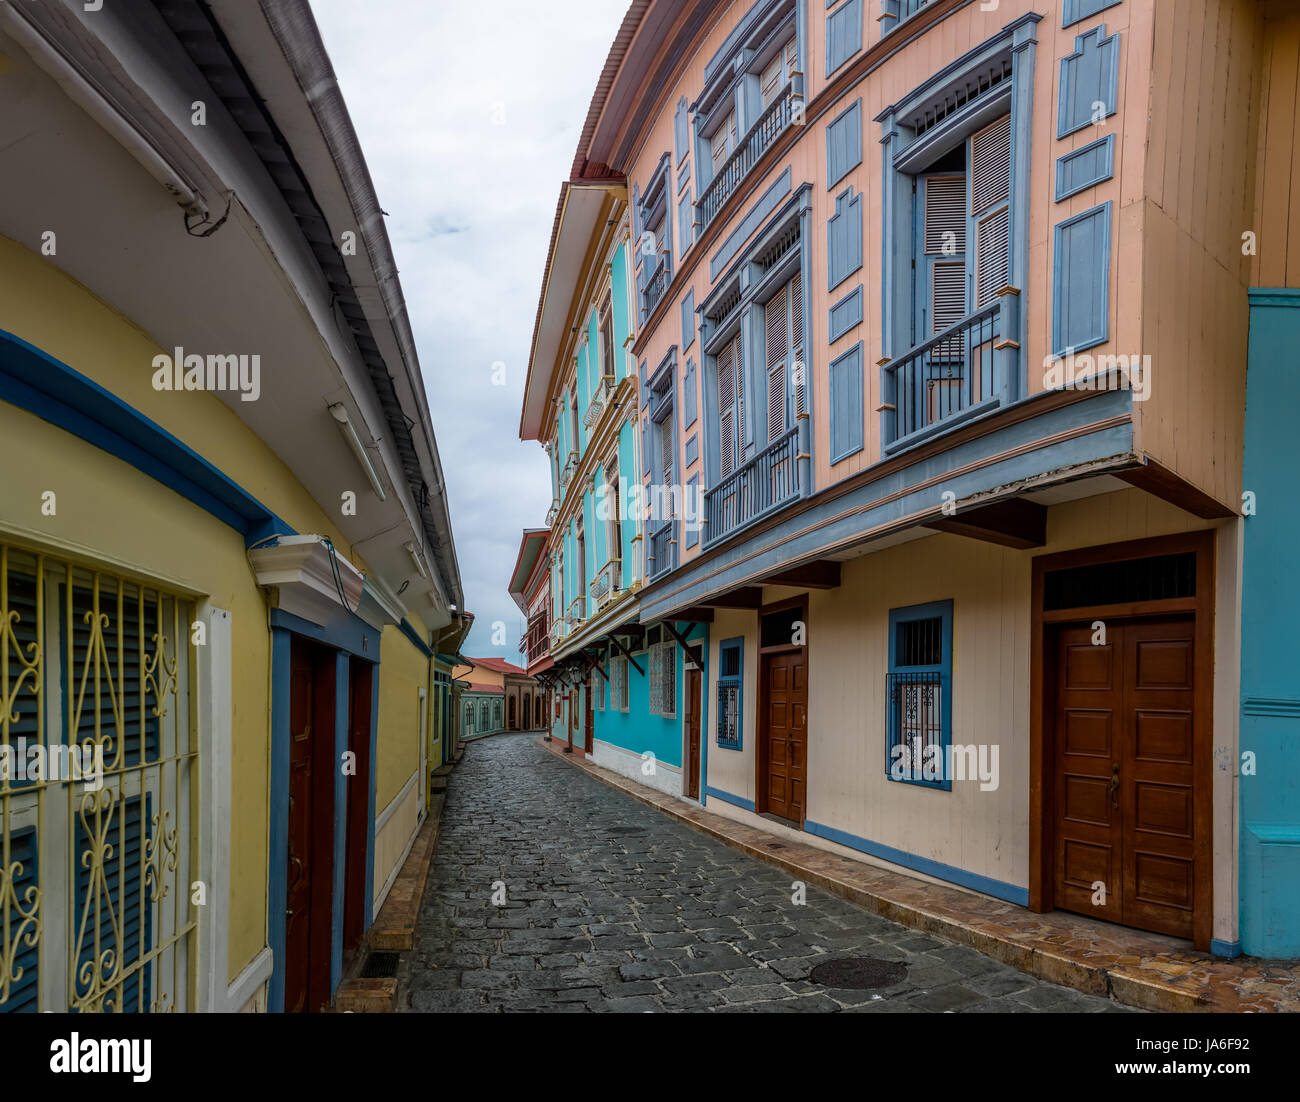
[{"x": 470, "y": 207}]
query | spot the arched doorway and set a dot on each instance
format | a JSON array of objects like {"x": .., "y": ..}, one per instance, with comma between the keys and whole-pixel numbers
[{"x": 528, "y": 709}]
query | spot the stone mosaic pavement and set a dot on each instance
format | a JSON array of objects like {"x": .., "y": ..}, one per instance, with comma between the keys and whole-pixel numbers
[{"x": 611, "y": 906}]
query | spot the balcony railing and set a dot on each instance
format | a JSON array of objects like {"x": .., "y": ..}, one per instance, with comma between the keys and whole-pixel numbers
[
  {"x": 663, "y": 549},
  {"x": 762, "y": 484},
  {"x": 606, "y": 583},
  {"x": 604, "y": 391},
  {"x": 749, "y": 149},
  {"x": 570, "y": 465},
  {"x": 552, "y": 511},
  {"x": 577, "y": 610},
  {"x": 656, "y": 282},
  {"x": 953, "y": 371}
]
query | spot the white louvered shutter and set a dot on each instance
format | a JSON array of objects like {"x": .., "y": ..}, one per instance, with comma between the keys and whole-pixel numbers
[
  {"x": 778, "y": 342},
  {"x": 991, "y": 271}
]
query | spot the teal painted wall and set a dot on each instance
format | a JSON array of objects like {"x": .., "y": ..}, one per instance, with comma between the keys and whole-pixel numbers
[
  {"x": 636, "y": 730},
  {"x": 630, "y": 477},
  {"x": 1270, "y": 686},
  {"x": 620, "y": 308}
]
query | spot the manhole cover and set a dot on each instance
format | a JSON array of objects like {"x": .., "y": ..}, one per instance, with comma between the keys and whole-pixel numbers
[
  {"x": 380, "y": 965},
  {"x": 626, "y": 830},
  {"x": 858, "y": 973}
]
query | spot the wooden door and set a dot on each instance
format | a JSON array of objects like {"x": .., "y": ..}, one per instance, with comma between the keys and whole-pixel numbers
[
  {"x": 310, "y": 859},
  {"x": 589, "y": 743},
  {"x": 693, "y": 723},
  {"x": 355, "y": 904},
  {"x": 785, "y": 733},
  {"x": 1125, "y": 783}
]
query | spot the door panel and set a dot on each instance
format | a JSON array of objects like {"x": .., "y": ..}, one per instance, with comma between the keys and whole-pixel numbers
[
  {"x": 693, "y": 733},
  {"x": 785, "y": 733},
  {"x": 1124, "y": 774},
  {"x": 297, "y": 942}
]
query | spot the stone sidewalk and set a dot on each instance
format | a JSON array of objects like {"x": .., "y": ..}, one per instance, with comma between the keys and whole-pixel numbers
[
  {"x": 1140, "y": 969},
  {"x": 550, "y": 891}
]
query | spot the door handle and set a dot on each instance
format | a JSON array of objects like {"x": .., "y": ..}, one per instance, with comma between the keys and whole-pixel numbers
[{"x": 1114, "y": 785}]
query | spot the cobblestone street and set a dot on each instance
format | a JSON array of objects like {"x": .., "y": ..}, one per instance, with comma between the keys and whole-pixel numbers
[{"x": 611, "y": 906}]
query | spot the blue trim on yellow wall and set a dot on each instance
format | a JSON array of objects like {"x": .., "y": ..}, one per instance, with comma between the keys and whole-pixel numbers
[
  {"x": 51, "y": 390},
  {"x": 347, "y": 633},
  {"x": 414, "y": 637},
  {"x": 277, "y": 893},
  {"x": 996, "y": 888},
  {"x": 727, "y": 797}
]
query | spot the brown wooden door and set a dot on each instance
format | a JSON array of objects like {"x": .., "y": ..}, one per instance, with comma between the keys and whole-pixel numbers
[
  {"x": 1125, "y": 789},
  {"x": 589, "y": 738},
  {"x": 786, "y": 733},
  {"x": 308, "y": 920},
  {"x": 693, "y": 718},
  {"x": 358, "y": 802}
]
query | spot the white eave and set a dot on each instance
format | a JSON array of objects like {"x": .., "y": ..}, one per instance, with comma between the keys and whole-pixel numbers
[{"x": 300, "y": 572}]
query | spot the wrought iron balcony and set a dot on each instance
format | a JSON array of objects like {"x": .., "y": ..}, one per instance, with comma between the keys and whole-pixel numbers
[
  {"x": 607, "y": 583},
  {"x": 656, "y": 282},
  {"x": 955, "y": 372},
  {"x": 766, "y": 129},
  {"x": 663, "y": 549},
  {"x": 577, "y": 610},
  {"x": 552, "y": 511},
  {"x": 756, "y": 488},
  {"x": 570, "y": 465},
  {"x": 599, "y": 400}
]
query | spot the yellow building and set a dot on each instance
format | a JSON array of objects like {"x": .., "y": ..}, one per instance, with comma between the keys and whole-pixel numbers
[{"x": 226, "y": 560}]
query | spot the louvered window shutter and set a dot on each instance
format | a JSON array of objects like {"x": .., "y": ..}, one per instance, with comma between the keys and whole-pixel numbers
[
  {"x": 666, "y": 448},
  {"x": 990, "y": 191},
  {"x": 796, "y": 343},
  {"x": 655, "y": 680},
  {"x": 990, "y": 156},
  {"x": 778, "y": 343},
  {"x": 740, "y": 399},
  {"x": 726, "y": 410},
  {"x": 669, "y": 681},
  {"x": 945, "y": 241}
]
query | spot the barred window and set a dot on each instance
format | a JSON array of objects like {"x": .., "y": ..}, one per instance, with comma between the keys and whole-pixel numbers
[
  {"x": 918, "y": 697},
  {"x": 663, "y": 680},
  {"x": 97, "y": 765},
  {"x": 731, "y": 653}
]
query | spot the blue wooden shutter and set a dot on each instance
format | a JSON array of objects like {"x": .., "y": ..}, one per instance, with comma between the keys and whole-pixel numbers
[
  {"x": 680, "y": 131},
  {"x": 843, "y": 35},
  {"x": 690, "y": 401},
  {"x": 844, "y": 238},
  {"x": 688, "y": 319},
  {"x": 990, "y": 194},
  {"x": 846, "y": 403},
  {"x": 1089, "y": 75},
  {"x": 727, "y": 407},
  {"x": 1081, "y": 281},
  {"x": 844, "y": 144},
  {"x": 730, "y": 710}
]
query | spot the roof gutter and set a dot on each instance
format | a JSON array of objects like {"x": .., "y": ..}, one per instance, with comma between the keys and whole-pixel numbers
[{"x": 296, "y": 31}]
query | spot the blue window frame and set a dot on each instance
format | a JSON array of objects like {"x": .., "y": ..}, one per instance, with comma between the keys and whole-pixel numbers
[
  {"x": 918, "y": 697},
  {"x": 731, "y": 674}
]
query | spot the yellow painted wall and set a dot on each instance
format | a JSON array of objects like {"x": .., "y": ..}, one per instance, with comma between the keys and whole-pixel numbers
[
  {"x": 112, "y": 513},
  {"x": 403, "y": 672}
]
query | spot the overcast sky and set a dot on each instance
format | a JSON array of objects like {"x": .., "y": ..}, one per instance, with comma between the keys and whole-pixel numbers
[{"x": 469, "y": 115}]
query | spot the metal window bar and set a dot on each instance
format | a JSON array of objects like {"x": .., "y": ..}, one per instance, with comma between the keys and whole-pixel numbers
[
  {"x": 915, "y": 725},
  {"x": 663, "y": 549},
  {"x": 95, "y": 860},
  {"x": 764, "y": 482},
  {"x": 766, "y": 129},
  {"x": 948, "y": 373}
]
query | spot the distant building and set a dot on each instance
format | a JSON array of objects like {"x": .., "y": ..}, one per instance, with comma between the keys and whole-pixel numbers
[{"x": 499, "y": 696}]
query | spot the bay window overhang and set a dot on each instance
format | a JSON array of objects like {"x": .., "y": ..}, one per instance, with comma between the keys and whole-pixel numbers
[{"x": 951, "y": 341}]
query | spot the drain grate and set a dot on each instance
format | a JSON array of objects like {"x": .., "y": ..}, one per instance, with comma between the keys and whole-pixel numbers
[
  {"x": 380, "y": 965},
  {"x": 858, "y": 973}
]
